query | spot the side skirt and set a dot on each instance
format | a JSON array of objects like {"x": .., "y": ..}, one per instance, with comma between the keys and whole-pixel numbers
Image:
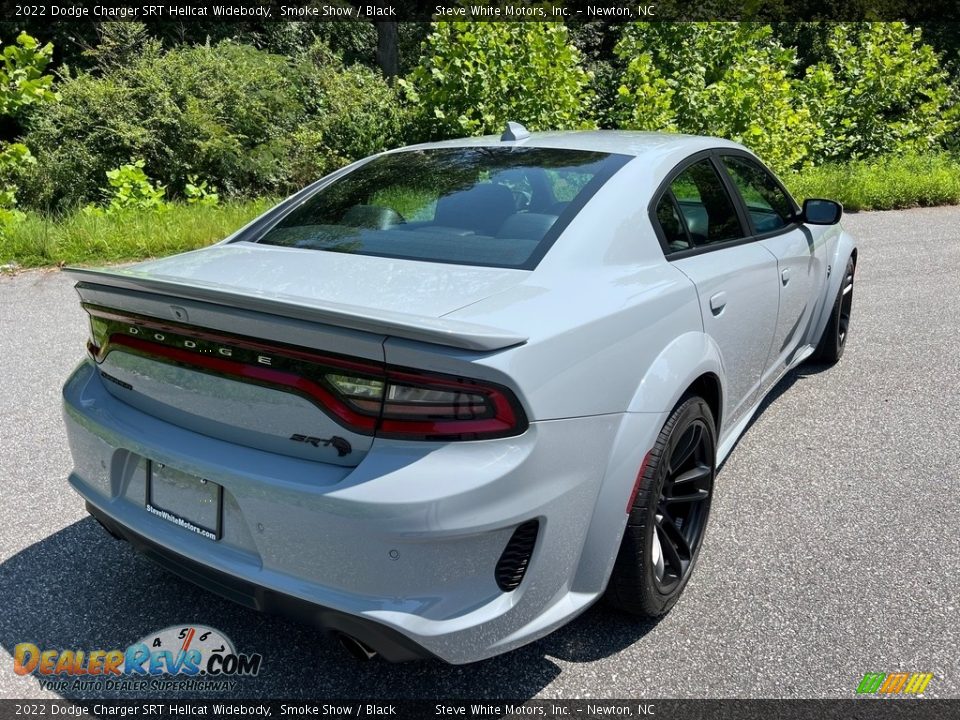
[{"x": 733, "y": 435}]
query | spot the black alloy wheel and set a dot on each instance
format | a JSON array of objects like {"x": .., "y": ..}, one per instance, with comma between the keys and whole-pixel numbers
[
  {"x": 846, "y": 304},
  {"x": 668, "y": 519},
  {"x": 681, "y": 515},
  {"x": 834, "y": 339}
]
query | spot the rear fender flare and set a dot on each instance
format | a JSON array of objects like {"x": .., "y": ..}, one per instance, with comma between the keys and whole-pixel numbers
[
  {"x": 666, "y": 380},
  {"x": 674, "y": 370}
]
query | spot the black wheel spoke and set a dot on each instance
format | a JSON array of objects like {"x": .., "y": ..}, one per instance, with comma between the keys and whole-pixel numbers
[
  {"x": 688, "y": 444},
  {"x": 694, "y": 497},
  {"x": 681, "y": 509},
  {"x": 846, "y": 302},
  {"x": 674, "y": 538},
  {"x": 696, "y": 478},
  {"x": 671, "y": 558}
]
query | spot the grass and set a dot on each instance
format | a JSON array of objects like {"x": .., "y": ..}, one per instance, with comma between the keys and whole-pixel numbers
[
  {"x": 84, "y": 239},
  {"x": 79, "y": 238},
  {"x": 885, "y": 183}
]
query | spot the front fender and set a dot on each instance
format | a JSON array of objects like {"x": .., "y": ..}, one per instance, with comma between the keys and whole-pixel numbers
[{"x": 838, "y": 253}]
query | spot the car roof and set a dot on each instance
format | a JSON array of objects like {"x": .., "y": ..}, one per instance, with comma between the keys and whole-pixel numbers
[{"x": 623, "y": 142}]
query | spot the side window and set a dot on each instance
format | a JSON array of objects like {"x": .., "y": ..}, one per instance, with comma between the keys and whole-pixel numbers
[
  {"x": 769, "y": 207},
  {"x": 705, "y": 205},
  {"x": 673, "y": 230}
]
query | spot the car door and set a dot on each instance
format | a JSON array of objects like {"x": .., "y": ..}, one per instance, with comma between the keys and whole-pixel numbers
[
  {"x": 801, "y": 260},
  {"x": 704, "y": 235}
]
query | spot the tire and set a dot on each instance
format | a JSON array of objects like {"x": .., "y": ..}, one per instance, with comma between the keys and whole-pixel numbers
[
  {"x": 834, "y": 339},
  {"x": 656, "y": 555}
]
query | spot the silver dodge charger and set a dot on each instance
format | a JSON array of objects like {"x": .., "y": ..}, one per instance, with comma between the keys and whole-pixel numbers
[{"x": 444, "y": 399}]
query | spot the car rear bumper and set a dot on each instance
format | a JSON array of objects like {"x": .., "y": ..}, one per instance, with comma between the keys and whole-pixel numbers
[
  {"x": 400, "y": 551},
  {"x": 390, "y": 644}
]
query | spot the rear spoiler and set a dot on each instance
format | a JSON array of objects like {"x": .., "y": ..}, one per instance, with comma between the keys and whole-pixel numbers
[{"x": 439, "y": 331}]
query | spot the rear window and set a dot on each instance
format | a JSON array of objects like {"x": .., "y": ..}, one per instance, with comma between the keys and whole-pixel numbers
[{"x": 492, "y": 206}]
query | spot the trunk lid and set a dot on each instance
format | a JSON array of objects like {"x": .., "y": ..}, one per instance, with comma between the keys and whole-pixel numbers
[
  {"x": 236, "y": 342},
  {"x": 426, "y": 289}
]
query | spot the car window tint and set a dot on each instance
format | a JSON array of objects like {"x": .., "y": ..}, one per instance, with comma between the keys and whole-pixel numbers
[
  {"x": 675, "y": 234},
  {"x": 707, "y": 208},
  {"x": 768, "y": 205},
  {"x": 494, "y": 206},
  {"x": 567, "y": 183}
]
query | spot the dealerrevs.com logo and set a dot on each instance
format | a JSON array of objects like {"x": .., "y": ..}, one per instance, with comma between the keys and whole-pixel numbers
[{"x": 180, "y": 657}]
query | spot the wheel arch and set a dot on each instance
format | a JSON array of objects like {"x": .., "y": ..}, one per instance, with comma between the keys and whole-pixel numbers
[
  {"x": 845, "y": 247},
  {"x": 690, "y": 363},
  {"x": 709, "y": 388}
]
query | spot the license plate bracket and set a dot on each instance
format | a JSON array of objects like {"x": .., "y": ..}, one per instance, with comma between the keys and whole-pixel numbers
[{"x": 192, "y": 502}]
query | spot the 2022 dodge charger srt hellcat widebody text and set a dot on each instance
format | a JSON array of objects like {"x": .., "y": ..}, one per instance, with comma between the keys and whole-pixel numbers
[{"x": 442, "y": 400}]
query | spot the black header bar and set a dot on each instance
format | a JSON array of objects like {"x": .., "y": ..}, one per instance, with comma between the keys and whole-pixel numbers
[
  {"x": 612, "y": 11},
  {"x": 901, "y": 708}
]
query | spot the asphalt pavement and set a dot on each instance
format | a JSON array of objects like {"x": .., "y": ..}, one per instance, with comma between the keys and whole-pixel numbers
[{"x": 832, "y": 550}]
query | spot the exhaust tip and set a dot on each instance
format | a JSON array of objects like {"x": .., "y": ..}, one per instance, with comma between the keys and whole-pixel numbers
[{"x": 357, "y": 649}]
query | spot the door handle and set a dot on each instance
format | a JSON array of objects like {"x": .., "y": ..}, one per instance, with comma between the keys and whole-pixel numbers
[
  {"x": 785, "y": 275},
  {"x": 718, "y": 302}
]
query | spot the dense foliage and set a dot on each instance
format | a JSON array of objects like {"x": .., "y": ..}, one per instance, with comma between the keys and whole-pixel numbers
[
  {"x": 727, "y": 79},
  {"x": 879, "y": 89},
  {"x": 241, "y": 110},
  {"x": 249, "y": 121},
  {"x": 23, "y": 85},
  {"x": 876, "y": 88},
  {"x": 474, "y": 76}
]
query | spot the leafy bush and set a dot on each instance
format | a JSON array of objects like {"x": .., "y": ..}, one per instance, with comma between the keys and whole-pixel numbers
[
  {"x": 249, "y": 121},
  {"x": 199, "y": 192},
  {"x": 23, "y": 85},
  {"x": 22, "y": 81},
  {"x": 880, "y": 90},
  {"x": 727, "y": 79},
  {"x": 14, "y": 159},
  {"x": 350, "y": 112},
  {"x": 883, "y": 183},
  {"x": 475, "y": 76},
  {"x": 877, "y": 89},
  {"x": 131, "y": 189}
]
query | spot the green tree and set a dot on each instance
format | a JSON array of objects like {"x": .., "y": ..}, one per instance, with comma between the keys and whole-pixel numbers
[
  {"x": 475, "y": 76},
  {"x": 728, "y": 79},
  {"x": 879, "y": 90}
]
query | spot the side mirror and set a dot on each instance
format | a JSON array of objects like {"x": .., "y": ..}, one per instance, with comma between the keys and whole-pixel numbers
[{"x": 817, "y": 211}]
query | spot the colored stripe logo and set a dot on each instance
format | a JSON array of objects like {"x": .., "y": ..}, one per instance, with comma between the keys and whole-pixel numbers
[{"x": 900, "y": 683}]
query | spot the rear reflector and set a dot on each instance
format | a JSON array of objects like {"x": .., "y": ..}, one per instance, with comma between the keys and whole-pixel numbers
[
  {"x": 636, "y": 483},
  {"x": 363, "y": 396}
]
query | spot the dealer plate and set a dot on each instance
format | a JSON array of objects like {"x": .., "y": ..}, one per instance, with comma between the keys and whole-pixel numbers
[{"x": 193, "y": 503}]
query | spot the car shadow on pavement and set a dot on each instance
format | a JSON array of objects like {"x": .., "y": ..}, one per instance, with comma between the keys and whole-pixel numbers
[
  {"x": 81, "y": 589},
  {"x": 798, "y": 374}
]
